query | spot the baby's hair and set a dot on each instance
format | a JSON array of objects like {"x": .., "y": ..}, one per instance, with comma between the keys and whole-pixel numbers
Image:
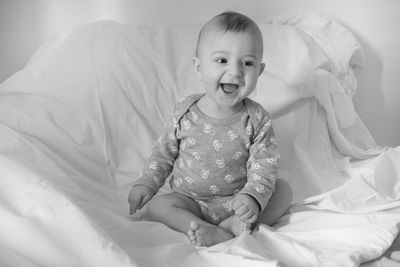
[
  {"x": 228, "y": 21},
  {"x": 233, "y": 21}
]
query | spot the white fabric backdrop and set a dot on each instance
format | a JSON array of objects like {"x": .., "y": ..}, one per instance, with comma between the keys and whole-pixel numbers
[{"x": 79, "y": 120}]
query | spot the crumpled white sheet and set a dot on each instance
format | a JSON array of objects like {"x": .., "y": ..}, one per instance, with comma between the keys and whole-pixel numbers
[{"x": 78, "y": 121}]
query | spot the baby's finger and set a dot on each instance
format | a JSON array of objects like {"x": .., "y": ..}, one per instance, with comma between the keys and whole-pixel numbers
[
  {"x": 132, "y": 209},
  {"x": 236, "y": 204},
  {"x": 252, "y": 219},
  {"x": 134, "y": 206},
  {"x": 246, "y": 216},
  {"x": 241, "y": 211}
]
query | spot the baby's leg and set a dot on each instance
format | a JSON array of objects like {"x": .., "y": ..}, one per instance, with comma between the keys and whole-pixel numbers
[
  {"x": 278, "y": 203},
  {"x": 215, "y": 210},
  {"x": 234, "y": 225},
  {"x": 202, "y": 233},
  {"x": 182, "y": 214}
]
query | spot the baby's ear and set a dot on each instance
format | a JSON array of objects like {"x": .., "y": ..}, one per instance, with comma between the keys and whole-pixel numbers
[
  {"x": 262, "y": 67},
  {"x": 197, "y": 67}
]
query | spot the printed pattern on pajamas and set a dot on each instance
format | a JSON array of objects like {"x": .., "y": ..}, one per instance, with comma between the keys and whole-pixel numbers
[{"x": 213, "y": 160}]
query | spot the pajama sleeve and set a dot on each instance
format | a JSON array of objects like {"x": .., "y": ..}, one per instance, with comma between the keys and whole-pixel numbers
[
  {"x": 161, "y": 161},
  {"x": 262, "y": 163}
]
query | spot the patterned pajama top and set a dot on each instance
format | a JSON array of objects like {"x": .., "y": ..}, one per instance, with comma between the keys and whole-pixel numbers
[{"x": 210, "y": 158}]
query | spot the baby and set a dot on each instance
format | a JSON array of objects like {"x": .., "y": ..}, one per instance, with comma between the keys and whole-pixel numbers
[{"x": 219, "y": 146}]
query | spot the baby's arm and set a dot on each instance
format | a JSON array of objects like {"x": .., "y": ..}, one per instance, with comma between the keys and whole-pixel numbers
[
  {"x": 262, "y": 164},
  {"x": 158, "y": 168}
]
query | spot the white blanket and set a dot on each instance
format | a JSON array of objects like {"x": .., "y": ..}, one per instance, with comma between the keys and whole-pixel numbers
[{"x": 77, "y": 123}]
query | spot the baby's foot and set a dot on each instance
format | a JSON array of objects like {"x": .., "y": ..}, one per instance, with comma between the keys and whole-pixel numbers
[
  {"x": 207, "y": 234},
  {"x": 235, "y": 226}
]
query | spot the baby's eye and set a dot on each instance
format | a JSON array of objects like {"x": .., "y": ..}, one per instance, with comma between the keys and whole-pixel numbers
[
  {"x": 221, "y": 60},
  {"x": 248, "y": 63}
]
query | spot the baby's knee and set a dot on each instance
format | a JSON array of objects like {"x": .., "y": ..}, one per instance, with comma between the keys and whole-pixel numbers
[
  {"x": 163, "y": 205},
  {"x": 157, "y": 206},
  {"x": 284, "y": 190}
]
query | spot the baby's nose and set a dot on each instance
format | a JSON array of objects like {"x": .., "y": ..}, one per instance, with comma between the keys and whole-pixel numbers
[{"x": 235, "y": 70}]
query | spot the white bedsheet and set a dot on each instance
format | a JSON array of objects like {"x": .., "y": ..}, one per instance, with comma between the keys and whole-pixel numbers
[{"x": 77, "y": 123}]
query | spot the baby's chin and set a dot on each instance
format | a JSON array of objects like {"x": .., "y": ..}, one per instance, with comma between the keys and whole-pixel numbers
[{"x": 230, "y": 101}]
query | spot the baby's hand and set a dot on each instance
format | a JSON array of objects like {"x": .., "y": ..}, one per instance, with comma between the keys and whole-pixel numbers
[
  {"x": 246, "y": 208},
  {"x": 138, "y": 196}
]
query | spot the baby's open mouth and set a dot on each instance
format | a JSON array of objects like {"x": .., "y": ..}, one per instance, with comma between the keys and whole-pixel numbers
[{"x": 229, "y": 88}]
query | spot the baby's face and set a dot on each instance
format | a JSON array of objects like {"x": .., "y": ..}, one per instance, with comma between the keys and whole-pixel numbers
[{"x": 229, "y": 64}]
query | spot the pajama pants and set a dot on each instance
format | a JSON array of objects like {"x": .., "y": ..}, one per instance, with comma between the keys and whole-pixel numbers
[{"x": 215, "y": 209}]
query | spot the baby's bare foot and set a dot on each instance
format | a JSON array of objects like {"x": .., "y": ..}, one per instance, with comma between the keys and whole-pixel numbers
[
  {"x": 235, "y": 226},
  {"x": 207, "y": 234}
]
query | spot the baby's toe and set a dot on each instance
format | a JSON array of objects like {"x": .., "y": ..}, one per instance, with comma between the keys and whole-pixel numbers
[
  {"x": 194, "y": 225},
  {"x": 190, "y": 232},
  {"x": 246, "y": 227},
  {"x": 192, "y": 238}
]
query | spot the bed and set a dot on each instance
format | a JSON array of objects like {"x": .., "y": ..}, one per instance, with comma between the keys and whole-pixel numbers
[{"x": 77, "y": 123}]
